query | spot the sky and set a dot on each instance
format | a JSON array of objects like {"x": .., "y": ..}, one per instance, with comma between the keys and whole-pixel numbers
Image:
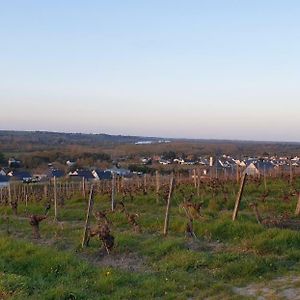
[{"x": 192, "y": 69}]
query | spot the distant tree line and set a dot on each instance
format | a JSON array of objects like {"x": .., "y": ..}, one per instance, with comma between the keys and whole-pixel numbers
[{"x": 43, "y": 158}]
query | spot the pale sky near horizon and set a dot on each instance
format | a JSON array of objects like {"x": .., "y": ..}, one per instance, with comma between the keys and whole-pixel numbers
[{"x": 193, "y": 69}]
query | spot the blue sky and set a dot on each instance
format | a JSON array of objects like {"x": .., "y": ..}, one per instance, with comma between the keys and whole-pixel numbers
[{"x": 195, "y": 69}]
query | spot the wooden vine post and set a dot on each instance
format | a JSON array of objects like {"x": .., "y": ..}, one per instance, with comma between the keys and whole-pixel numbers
[
  {"x": 157, "y": 186},
  {"x": 237, "y": 174},
  {"x": 198, "y": 182},
  {"x": 239, "y": 196},
  {"x": 55, "y": 198},
  {"x": 195, "y": 178},
  {"x": 9, "y": 194},
  {"x": 265, "y": 179},
  {"x": 26, "y": 201},
  {"x": 291, "y": 172},
  {"x": 145, "y": 184},
  {"x": 7, "y": 223},
  {"x": 122, "y": 183},
  {"x": 297, "y": 211},
  {"x": 45, "y": 191},
  {"x": 113, "y": 186},
  {"x": 172, "y": 185},
  {"x": 83, "y": 187},
  {"x": 87, "y": 219}
]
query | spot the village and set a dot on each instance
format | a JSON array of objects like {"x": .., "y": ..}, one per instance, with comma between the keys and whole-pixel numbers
[{"x": 223, "y": 166}]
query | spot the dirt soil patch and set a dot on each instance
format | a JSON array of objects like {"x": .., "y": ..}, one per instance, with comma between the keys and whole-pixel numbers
[
  {"x": 287, "y": 288},
  {"x": 124, "y": 261},
  {"x": 201, "y": 245}
]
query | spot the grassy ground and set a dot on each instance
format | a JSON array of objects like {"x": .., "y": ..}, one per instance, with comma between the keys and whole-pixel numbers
[{"x": 226, "y": 256}]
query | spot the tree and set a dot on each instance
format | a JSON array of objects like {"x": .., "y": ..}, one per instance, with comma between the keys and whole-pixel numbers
[
  {"x": 169, "y": 155},
  {"x": 141, "y": 168},
  {"x": 2, "y": 158}
]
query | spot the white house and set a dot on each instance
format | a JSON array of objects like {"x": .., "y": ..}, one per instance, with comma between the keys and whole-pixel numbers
[{"x": 251, "y": 170}]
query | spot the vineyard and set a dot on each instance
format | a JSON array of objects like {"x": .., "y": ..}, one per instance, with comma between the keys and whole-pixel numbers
[{"x": 151, "y": 237}]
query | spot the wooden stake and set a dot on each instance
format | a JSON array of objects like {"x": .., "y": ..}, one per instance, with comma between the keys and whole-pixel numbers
[
  {"x": 172, "y": 184},
  {"x": 113, "y": 191},
  {"x": 195, "y": 178},
  {"x": 45, "y": 191},
  {"x": 137, "y": 180},
  {"x": 122, "y": 183},
  {"x": 14, "y": 191},
  {"x": 118, "y": 184},
  {"x": 83, "y": 187},
  {"x": 237, "y": 173},
  {"x": 265, "y": 179},
  {"x": 87, "y": 219},
  {"x": 239, "y": 196},
  {"x": 291, "y": 172},
  {"x": 198, "y": 183},
  {"x": 297, "y": 211},
  {"x": 55, "y": 198},
  {"x": 7, "y": 223},
  {"x": 157, "y": 186},
  {"x": 145, "y": 184},
  {"x": 9, "y": 194}
]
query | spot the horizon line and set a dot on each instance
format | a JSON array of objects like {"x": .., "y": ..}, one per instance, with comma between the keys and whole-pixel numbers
[{"x": 152, "y": 137}]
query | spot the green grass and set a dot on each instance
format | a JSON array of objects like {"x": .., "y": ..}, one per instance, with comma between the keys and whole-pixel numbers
[{"x": 227, "y": 254}]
